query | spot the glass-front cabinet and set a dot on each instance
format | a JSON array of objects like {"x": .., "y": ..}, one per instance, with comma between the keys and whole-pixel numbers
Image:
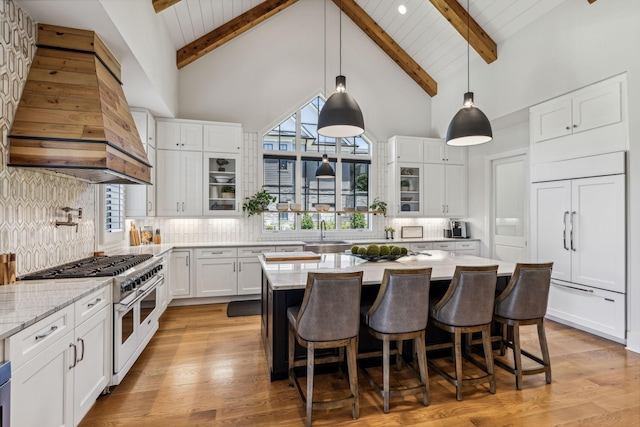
[
  {"x": 405, "y": 188},
  {"x": 222, "y": 187}
]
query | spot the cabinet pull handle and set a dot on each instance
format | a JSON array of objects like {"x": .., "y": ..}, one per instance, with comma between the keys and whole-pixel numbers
[
  {"x": 571, "y": 231},
  {"x": 150, "y": 206},
  {"x": 75, "y": 356},
  {"x": 81, "y": 351},
  {"x": 234, "y": 266},
  {"x": 216, "y": 253},
  {"x": 46, "y": 334},
  {"x": 182, "y": 206},
  {"x": 177, "y": 206},
  {"x": 187, "y": 260},
  {"x": 588, "y": 291},
  {"x": 91, "y": 304},
  {"x": 564, "y": 230},
  {"x": 239, "y": 267}
]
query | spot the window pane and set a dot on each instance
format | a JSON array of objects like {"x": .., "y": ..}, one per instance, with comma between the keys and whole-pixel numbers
[
  {"x": 282, "y": 136},
  {"x": 114, "y": 208},
  {"x": 318, "y": 191},
  {"x": 355, "y": 145},
  {"x": 311, "y": 141},
  {"x": 355, "y": 192},
  {"x": 279, "y": 181}
]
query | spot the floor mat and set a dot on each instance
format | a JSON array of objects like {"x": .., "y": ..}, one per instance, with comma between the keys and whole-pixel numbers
[{"x": 243, "y": 308}]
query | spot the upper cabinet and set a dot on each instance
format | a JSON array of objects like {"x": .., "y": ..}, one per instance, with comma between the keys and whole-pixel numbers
[
  {"x": 141, "y": 199},
  {"x": 183, "y": 135},
  {"x": 222, "y": 137},
  {"x": 586, "y": 122}
]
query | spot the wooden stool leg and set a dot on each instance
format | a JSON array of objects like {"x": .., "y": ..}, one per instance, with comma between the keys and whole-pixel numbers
[
  {"x": 310, "y": 362},
  {"x": 352, "y": 349},
  {"x": 398, "y": 355},
  {"x": 517, "y": 354},
  {"x": 419, "y": 344},
  {"x": 504, "y": 328},
  {"x": 292, "y": 350},
  {"x": 457, "y": 349},
  {"x": 385, "y": 373},
  {"x": 542, "y": 336},
  {"x": 488, "y": 356},
  {"x": 341, "y": 362}
]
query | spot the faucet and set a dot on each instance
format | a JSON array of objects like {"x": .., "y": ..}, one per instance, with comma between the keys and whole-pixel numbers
[
  {"x": 69, "y": 222},
  {"x": 323, "y": 229}
]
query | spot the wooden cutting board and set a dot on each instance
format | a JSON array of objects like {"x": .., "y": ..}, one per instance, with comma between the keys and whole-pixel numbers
[{"x": 291, "y": 256}]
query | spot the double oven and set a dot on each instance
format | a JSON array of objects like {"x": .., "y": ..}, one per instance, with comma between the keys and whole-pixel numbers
[{"x": 137, "y": 280}]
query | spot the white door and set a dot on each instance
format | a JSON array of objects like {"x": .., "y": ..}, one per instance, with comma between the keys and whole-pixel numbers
[
  {"x": 509, "y": 207},
  {"x": 551, "y": 226},
  {"x": 598, "y": 244},
  {"x": 249, "y": 276},
  {"x": 433, "y": 194},
  {"x": 180, "y": 277},
  {"x": 455, "y": 190},
  {"x": 216, "y": 277},
  {"x": 168, "y": 182},
  {"x": 191, "y": 204}
]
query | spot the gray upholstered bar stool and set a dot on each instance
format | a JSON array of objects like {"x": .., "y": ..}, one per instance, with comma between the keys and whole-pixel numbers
[
  {"x": 465, "y": 308},
  {"x": 329, "y": 317},
  {"x": 400, "y": 312},
  {"x": 524, "y": 302}
]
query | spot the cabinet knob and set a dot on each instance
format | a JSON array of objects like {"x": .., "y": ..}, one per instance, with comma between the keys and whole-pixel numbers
[
  {"x": 575, "y": 126},
  {"x": 567, "y": 128}
]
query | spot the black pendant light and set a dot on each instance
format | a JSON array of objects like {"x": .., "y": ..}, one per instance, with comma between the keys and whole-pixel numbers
[
  {"x": 469, "y": 126},
  {"x": 341, "y": 116},
  {"x": 325, "y": 170}
]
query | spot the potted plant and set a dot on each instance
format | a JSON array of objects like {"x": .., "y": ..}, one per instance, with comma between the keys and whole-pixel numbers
[
  {"x": 258, "y": 202},
  {"x": 388, "y": 232},
  {"x": 404, "y": 185},
  {"x": 228, "y": 192},
  {"x": 379, "y": 205}
]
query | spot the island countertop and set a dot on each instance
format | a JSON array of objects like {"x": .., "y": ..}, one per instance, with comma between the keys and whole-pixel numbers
[{"x": 293, "y": 274}]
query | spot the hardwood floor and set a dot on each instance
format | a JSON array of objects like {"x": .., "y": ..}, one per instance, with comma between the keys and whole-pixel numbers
[{"x": 204, "y": 369}]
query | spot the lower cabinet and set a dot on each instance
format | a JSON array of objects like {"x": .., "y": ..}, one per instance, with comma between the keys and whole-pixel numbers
[
  {"x": 216, "y": 272},
  {"x": 180, "y": 274},
  {"x": 61, "y": 364},
  {"x": 465, "y": 247}
]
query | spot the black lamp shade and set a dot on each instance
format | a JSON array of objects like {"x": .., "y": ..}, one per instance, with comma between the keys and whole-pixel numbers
[
  {"x": 325, "y": 170},
  {"x": 469, "y": 126},
  {"x": 340, "y": 116}
]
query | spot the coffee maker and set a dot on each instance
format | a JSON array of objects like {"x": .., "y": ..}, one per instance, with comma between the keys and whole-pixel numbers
[{"x": 459, "y": 229}]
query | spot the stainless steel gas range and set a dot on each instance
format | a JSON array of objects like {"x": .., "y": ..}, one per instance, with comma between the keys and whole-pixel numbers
[{"x": 136, "y": 283}]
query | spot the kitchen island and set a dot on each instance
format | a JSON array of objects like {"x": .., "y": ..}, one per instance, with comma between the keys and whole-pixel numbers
[{"x": 283, "y": 285}]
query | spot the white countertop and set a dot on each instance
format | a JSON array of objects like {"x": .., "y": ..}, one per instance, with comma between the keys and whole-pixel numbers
[
  {"x": 293, "y": 274},
  {"x": 24, "y": 303}
]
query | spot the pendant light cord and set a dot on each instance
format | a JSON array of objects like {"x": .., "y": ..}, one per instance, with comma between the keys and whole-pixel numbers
[
  {"x": 340, "y": 24},
  {"x": 325, "y": 49},
  {"x": 468, "y": 43}
]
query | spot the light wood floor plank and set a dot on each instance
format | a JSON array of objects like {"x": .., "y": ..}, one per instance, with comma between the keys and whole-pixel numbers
[{"x": 204, "y": 369}]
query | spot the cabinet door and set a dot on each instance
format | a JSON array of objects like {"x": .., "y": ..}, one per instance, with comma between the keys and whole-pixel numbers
[
  {"x": 550, "y": 234},
  {"x": 180, "y": 274},
  {"x": 93, "y": 369},
  {"x": 221, "y": 184},
  {"x": 169, "y": 183},
  {"x": 407, "y": 149},
  {"x": 216, "y": 277},
  {"x": 191, "y": 186},
  {"x": 434, "y": 151},
  {"x": 168, "y": 135},
  {"x": 597, "y": 105},
  {"x": 222, "y": 138},
  {"x": 434, "y": 190},
  {"x": 410, "y": 191},
  {"x": 42, "y": 389},
  {"x": 598, "y": 245},
  {"x": 191, "y": 136},
  {"x": 455, "y": 191},
  {"x": 551, "y": 119},
  {"x": 455, "y": 155},
  {"x": 249, "y": 276},
  {"x": 150, "y": 190}
]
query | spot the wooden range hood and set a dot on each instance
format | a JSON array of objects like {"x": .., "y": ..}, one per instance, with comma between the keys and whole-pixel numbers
[{"x": 73, "y": 117}]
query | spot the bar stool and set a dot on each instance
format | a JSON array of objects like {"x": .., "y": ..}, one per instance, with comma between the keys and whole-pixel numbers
[
  {"x": 467, "y": 307},
  {"x": 327, "y": 318},
  {"x": 524, "y": 302},
  {"x": 400, "y": 312}
]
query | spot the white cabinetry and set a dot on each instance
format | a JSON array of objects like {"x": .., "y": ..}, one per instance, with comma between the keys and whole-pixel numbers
[
  {"x": 434, "y": 173},
  {"x": 222, "y": 137},
  {"x": 222, "y": 186},
  {"x": 557, "y": 125},
  {"x": 141, "y": 199},
  {"x": 163, "y": 289},
  {"x": 179, "y": 135},
  {"x": 61, "y": 363},
  {"x": 250, "y": 270},
  {"x": 465, "y": 247},
  {"x": 216, "y": 272},
  {"x": 180, "y": 274},
  {"x": 180, "y": 183}
]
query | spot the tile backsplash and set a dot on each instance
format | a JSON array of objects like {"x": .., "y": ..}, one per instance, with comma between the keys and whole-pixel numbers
[{"x": 30, "y": 201}]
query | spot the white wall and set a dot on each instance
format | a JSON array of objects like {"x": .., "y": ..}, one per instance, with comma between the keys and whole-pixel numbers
[
  {"x": 573, "y": 46},
  {"x": 279, "y": 65}
]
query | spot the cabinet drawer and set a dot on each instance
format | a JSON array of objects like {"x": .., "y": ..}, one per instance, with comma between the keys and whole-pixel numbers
[
  {"x": 421, "y": 246},
  {"x": 590, "y": 309},
  {"x": 217, "y": 253},
  {"x": 444, "y": 246},
  {"x": 28, "y": 343},
  {"x": 292, "y": 248},
  {"x": 255, "y": 250},
  {"x": 92, "y": 303},
  {"x": 466, "y": 245}
]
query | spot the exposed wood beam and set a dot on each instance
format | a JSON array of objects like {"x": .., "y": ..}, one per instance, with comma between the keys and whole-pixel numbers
[
  {"x": 230, "y": 30},
  {"x": 160, "y": 5},
  {"x": 479, "y": 40},
  {"x": 388, "y": 45},
  {"x": 591, "y": 1}
]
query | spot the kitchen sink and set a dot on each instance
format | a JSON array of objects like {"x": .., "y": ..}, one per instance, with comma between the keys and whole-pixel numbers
[{"x": 327, "y": 246}]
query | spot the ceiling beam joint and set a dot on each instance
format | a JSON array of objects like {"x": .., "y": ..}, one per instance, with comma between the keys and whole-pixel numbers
[{"x": 160, "y": 5}]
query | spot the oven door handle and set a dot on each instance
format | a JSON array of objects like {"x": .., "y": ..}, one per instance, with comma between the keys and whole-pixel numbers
[{"x": 124, "y": 307}]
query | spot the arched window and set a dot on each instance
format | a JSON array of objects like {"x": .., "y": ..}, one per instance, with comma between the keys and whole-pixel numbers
[{"x": 292, "y": 151}]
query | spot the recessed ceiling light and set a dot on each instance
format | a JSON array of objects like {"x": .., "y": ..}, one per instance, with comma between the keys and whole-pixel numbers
[{"x": 402, "y": 9}]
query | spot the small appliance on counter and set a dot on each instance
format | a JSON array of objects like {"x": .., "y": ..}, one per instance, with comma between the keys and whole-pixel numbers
[{"x": 459, "y": 229}]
